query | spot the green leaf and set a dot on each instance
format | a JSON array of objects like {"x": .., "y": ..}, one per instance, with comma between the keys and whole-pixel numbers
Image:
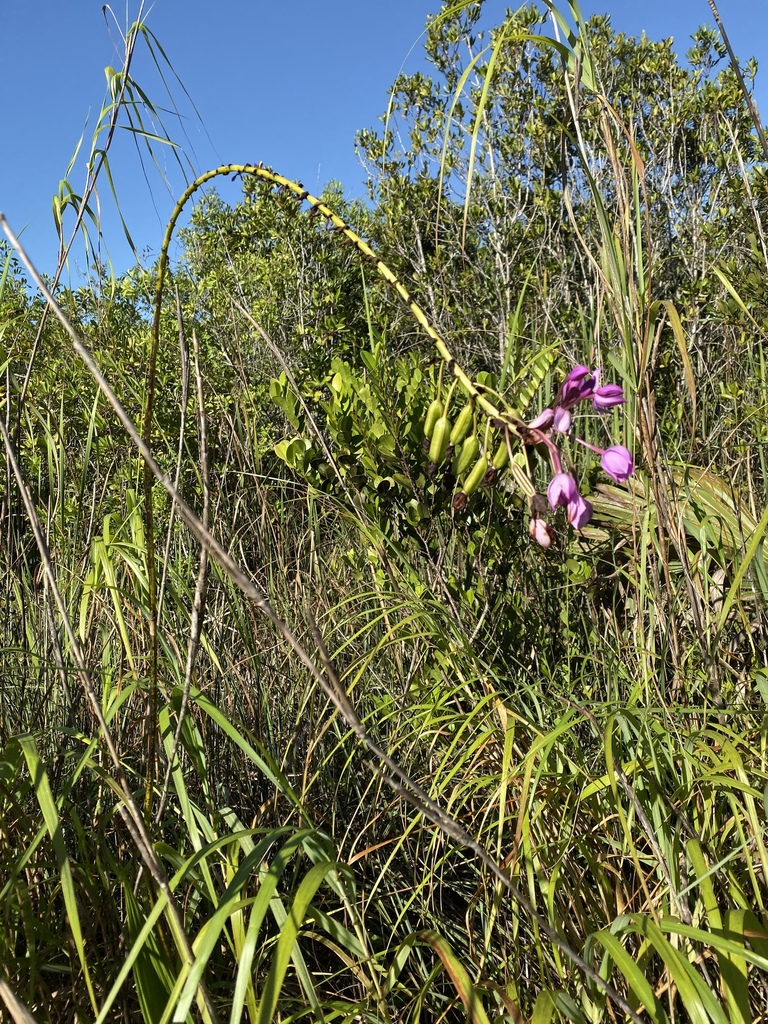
[
  {"x": 287, "y": 938},
  {"x": 47, "y": 804},
  {"x": 633, "y": 975}
]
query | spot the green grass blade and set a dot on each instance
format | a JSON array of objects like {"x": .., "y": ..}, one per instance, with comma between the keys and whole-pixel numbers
[
  {"x": 288, "y": 936},
  {"x": 47, "y": 804},
  {"x": 638, "y": 983}
]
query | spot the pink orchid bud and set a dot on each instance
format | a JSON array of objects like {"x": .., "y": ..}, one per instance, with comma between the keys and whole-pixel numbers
[
  {"x": 541, "y": 532},
  {"x": 562, "y": 490},
  {"x": 617, "y": 463},
  {"x": 607, "y": 396}
]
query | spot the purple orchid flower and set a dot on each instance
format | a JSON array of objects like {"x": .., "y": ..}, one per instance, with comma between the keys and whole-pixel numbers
[
  {"x": 617, "y": 463},
  {"x": 578, "y": 385},
  {"x": 562, "y": 490},
  {"x": 607, "y": 396}
]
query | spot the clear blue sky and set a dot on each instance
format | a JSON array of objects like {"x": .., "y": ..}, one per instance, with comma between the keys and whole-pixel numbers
[{"x": 271, "y": 79}]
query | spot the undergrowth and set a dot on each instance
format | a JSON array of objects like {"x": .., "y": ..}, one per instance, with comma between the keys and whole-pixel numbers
[{"x": 297, "y": 719}]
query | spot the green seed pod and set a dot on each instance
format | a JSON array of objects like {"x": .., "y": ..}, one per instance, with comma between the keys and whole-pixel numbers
[
  {"x": 463, "y": 424},
  {"x": 465, "y": 457},
  {"x": 434, "y": 412},
  {"x": 439, "y": 444},
  {"x": 476, "y": 477},
  {"x": 501, "y": 458}
]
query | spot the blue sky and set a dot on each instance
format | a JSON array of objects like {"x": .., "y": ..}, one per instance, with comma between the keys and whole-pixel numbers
[{"x": 271, "y": 81}]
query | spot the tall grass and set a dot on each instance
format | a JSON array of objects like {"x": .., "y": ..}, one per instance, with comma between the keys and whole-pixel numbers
[{"x": 261, "y": 762}]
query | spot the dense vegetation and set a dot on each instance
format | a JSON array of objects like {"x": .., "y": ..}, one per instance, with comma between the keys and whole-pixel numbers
[{"x": 297, "y": 721}]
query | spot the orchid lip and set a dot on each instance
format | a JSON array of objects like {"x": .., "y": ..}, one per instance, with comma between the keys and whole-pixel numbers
[{"x": 561, "y": 420}]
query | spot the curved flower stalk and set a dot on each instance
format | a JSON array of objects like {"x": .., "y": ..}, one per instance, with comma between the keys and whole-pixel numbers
[{"x": 581, "y": 384}]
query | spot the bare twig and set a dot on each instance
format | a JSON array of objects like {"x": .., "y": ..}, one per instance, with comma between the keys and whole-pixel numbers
[
  {"x": 90, "y": 185},
  {"x": 18, "y": 1011},
  {"x": 742, "y": 84},
  {"x": 198, "y": 606}
]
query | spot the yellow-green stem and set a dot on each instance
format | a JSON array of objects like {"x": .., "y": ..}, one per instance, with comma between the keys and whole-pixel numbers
[{"x": 382, "y": 269}]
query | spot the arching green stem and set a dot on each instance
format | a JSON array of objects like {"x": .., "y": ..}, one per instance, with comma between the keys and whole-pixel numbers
[{"x": 505, "y": 417}]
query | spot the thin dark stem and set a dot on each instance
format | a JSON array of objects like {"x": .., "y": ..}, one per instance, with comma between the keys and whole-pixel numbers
[
  {"x": 201, "y": 587},
  {"x": 742, "y": 84}
]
